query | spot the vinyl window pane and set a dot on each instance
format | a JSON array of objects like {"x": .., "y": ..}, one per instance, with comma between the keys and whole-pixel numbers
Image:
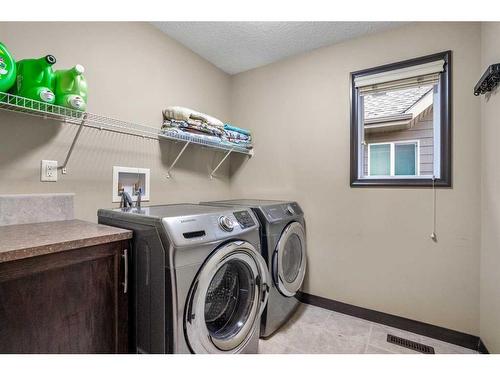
[
  {"x": 405, "y": 159},
  {"x": 380, "y": 160}
]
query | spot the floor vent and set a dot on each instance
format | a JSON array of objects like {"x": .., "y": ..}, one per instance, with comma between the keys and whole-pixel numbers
[{"x": 412, "y": 345}]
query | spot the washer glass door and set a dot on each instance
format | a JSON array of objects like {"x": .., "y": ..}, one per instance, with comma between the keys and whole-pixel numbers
[
  {"x": 289, "y": 260},
  {"x": 226, "y": 300}
]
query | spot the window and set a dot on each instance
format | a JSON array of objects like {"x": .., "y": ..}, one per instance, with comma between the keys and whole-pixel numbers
[
  {"x": 400, "y": 123},
  {"x": 393, "y": 159}
]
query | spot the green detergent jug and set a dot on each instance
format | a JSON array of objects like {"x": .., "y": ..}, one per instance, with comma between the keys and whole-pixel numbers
[
  {"x": 7, "y": 69},
  {"x": 71, "y": 88},
  {"x": 35, "y": 79}
]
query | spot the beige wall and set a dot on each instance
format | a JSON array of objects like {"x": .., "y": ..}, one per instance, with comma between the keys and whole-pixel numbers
[
  {"x": 490, "y": 239},
  {"x": 369, "y": 247},
  {"x": 133, "y": 71}
]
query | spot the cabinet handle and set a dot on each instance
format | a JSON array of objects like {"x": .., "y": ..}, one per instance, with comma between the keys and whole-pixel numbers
[{"x": 125, "y": 277}]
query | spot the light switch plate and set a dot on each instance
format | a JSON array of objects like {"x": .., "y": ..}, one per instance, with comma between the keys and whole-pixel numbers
[{"x": 48, "y": 171}]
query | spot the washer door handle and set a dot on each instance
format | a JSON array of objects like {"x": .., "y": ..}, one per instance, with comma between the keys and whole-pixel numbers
[
  {"x": 264, "y": 293},
  {"x": 189, "y": 315}
]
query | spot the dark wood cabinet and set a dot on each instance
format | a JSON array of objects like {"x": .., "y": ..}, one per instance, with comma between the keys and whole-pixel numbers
[{"x": 67, "y": 302}]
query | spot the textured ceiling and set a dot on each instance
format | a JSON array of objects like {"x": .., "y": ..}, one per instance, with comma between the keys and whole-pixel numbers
[{"x": 238, "y": 46}]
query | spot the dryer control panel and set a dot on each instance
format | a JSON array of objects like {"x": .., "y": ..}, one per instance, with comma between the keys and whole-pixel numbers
[
  {"x": 244, "y": 219},
  {"x": 283, "y": 211}
]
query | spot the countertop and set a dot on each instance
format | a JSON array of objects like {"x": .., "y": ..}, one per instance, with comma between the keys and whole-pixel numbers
[{"x": 30, "y": 240}]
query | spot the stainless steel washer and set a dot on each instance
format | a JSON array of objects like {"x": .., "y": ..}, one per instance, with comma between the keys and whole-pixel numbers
[
  {"x": 199, "y": 281},
  {"x": 283, "y": 241}
]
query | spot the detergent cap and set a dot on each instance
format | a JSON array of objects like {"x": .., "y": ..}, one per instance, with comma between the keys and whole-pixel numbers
[
  {"x": 50, "y": 59},
  {"x": 79, "y": 69}
]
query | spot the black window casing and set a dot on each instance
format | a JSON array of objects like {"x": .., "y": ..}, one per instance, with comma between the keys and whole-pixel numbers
[{"x": 445, "y": 179}]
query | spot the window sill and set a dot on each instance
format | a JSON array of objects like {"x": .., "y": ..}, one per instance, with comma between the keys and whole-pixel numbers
[{"x": 399, "y": 183}]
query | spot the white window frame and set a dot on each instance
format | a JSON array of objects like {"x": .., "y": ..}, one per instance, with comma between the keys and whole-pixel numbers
[{"x": 393, "y": 159}]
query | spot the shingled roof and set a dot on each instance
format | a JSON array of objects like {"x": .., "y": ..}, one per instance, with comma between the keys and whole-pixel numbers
[{"x": 392, "y": 103}]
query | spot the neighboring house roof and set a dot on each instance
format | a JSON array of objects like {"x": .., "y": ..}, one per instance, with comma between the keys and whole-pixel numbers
[
  {"x": 397, "y": 110},
  {"x": 393, "y": 103}
]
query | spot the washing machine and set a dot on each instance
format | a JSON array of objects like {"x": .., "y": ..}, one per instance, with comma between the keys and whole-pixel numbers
[
  {"x": 283, "y": 243},
  {"x": 199, "y": 282}
]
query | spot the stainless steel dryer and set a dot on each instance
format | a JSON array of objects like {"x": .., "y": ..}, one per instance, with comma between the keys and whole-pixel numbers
[
  {"x": 283, "y": 240},
  {"x": 199, "y": 283}
]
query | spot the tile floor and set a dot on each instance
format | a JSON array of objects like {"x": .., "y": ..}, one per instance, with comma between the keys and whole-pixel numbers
[{"x": 313, "y": 330}]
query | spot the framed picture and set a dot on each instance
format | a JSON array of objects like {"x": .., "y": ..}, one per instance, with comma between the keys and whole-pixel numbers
[{"x": 131, "y": 180}]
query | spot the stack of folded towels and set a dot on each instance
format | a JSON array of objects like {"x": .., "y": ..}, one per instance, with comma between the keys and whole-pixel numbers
[{"x": 184, "y": 120}]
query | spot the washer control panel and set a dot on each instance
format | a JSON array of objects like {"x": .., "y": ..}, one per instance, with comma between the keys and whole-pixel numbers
[
  {"x": 226, "y": 223},
  {"x": 244, "y": 219}
]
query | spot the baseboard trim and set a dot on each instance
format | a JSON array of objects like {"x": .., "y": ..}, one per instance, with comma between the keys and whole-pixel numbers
[
  {"x": 425, "y": 329},
  {"x": 482, "y": 348}
]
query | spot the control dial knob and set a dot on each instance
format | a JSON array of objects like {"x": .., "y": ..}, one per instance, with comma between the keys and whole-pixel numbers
[
  {"x": 226, "y": 223},
  {"x": 290, "y": 210}
]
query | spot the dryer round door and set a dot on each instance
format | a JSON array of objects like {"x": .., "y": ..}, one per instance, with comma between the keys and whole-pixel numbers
[
  {"x": 226, "y": 300},
  {"x": 289, "y": 260}
]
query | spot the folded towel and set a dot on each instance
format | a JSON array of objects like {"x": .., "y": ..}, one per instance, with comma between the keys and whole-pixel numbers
[
  {"x": 241, "y": 144},
  {"x": 236, "y": 135},
  {"x": 195, "y": 125},
  {"x": 185, "y": 114},
  {"x": 236, "y": 129},
  {"x": 207, "y": 118},
  {"x": 177, "y": 131},
  {"x": 177, "y": 113},
  {"x": 201, "y": 130}
]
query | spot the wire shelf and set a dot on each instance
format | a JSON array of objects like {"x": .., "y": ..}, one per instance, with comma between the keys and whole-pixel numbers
[{"x": 13, "y": 103}]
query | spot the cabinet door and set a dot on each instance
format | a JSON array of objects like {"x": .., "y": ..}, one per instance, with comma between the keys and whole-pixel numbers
[{"x": 68, "y": 302}]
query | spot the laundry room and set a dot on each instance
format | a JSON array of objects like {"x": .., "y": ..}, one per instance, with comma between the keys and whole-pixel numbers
[{"x": 265, "y": 186}]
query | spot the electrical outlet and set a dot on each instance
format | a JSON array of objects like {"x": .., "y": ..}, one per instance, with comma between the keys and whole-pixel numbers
[{"x": 48, "y": 170}]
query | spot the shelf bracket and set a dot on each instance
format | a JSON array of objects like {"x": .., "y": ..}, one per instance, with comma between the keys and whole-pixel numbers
[
  {"x": 70, "y": 151},
  {"x": 220, "y": 163},
  {"x": 176, "y": 159}
]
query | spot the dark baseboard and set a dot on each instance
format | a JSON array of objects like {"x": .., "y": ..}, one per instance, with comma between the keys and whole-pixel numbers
[
  {"x": 439, "y": 333},
  {"x": 482, "y": 348}
]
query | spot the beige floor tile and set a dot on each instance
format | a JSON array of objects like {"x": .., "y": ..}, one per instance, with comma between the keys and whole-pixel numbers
[
  {"x": 308, "y": 338},
  {"x": 271, "y": 347},
  {"x": 347, "y": 326},
  {"x": 328, "y": 344},
  {"x": 441, "y": 347},
  {"x": 310, "y": 315},
  {"x": 296, "y": 335},
  {"x": 370, "y": 349},
  {"x": 313, "y": 330}
]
